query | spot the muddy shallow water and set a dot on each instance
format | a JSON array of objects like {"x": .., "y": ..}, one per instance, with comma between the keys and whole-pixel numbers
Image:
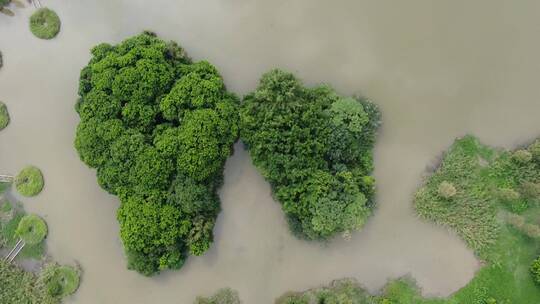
[{"x": 437, "y": 69}]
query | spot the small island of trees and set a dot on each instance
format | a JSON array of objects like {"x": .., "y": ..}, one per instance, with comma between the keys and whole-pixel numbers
[
  {"x": 158, "y": 129},
  {"x": 315, "y": 148}
]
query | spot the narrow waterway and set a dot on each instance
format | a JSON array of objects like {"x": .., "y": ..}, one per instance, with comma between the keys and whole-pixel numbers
[{"x": 438, "y": 69}]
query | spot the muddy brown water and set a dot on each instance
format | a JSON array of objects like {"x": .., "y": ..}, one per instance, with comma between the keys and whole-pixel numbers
[{"x": 438, "y": 69}]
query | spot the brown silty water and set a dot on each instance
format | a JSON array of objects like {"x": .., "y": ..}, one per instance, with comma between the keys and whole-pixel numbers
[{"x": 438, "y": 69}]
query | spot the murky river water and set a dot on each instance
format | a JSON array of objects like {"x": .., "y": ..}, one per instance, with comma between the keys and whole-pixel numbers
[{"x": 438, "y": 69}]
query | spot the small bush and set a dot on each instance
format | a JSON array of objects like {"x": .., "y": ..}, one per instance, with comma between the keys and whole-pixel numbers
[
  {"x": 530, "y": 190},
  {"x": 6, "y": 207},
  {"x": 535, "y": 270},
  {"x": 29, "y": 182},
  {"x": 44, "y": 23},
  {"x": 32, "y": 229},
  {"x": 534, "y": 148},
  {"x": 517, "y": 221},
  {"x": 4, "y": 114},
  {"x": 1, "y": 60},
  {"x": 446, "y": 190},
  {"x": 522, "y": 156},
  {"x": 531, "y": 230},
  {"x": 507, "y": 195},
  {"x": 222, "y": 296}
]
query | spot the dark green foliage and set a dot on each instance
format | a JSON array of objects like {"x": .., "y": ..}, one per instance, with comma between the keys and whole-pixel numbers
[
  {"x": 535, "y": 270},
  {"x": 158, "y": 129},
  {"x": 315, "y": 148},
  {"x": 4, "y": 2},
  {"x": 44, "y": 23}
]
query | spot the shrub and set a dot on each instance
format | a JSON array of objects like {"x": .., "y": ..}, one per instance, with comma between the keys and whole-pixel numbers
[
  {"x": 4, "y": 3},
  {"x": 1, "y": 58},
  {"x": 522, "y": 156},
  {"x": 158, "y": 129},
  {"x": 507, "y": 194},
  {"x": 44, "y": 23},
  {"x": 32, "y": 229},
  {"x": 6, "y": 207},
  {"x": 511, "y": 199},
  {"x": 4, "y": 115},
  {"x": 531, "y": 230},
  {"x": 530, "y": 190},
  {"x": 534, "y": 148},
  {"x": 315, "y": 148},
  {"x": 517, "y": 221},
  {"x": 29, "y": 182},
  {"x": 222, "y": 296},
  {"x": 446, "y": 190},
  {"x": 535, "y": 270}
]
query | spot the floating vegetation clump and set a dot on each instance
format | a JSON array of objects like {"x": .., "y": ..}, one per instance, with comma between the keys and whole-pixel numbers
[
  {"x": 32, "y": 229},
  {"x": 45, "y": 23},
  {"x": 60, "y": 281},
  {"x": 4, "y": 114},
  {"x": 29, "y": 182}
]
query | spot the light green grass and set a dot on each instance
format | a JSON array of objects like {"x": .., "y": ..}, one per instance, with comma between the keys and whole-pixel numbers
[
  {"x": 29, "y": 182},
  {"x": 44, "y": 23}
]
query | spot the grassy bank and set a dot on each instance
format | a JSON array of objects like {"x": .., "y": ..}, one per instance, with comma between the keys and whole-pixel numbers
[{"x": 490, "y": 198}]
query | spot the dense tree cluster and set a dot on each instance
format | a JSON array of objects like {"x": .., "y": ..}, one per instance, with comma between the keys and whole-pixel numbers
[
  {"x": 315, "y": 148},
  {"x": 158, "y": 128}
]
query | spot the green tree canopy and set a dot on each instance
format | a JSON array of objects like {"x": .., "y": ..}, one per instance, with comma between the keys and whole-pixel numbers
[
  {"x": 315, "y": 148},
  {"x": 158, "y": 128}
]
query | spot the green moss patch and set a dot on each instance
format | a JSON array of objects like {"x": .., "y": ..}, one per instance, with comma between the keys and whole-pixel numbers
[
  {"x": 29, "y": 182},
  {"x": 32, "y": 229},
  {"x": 44, "y": 23},
  {"x": 4, "y": 114}
]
